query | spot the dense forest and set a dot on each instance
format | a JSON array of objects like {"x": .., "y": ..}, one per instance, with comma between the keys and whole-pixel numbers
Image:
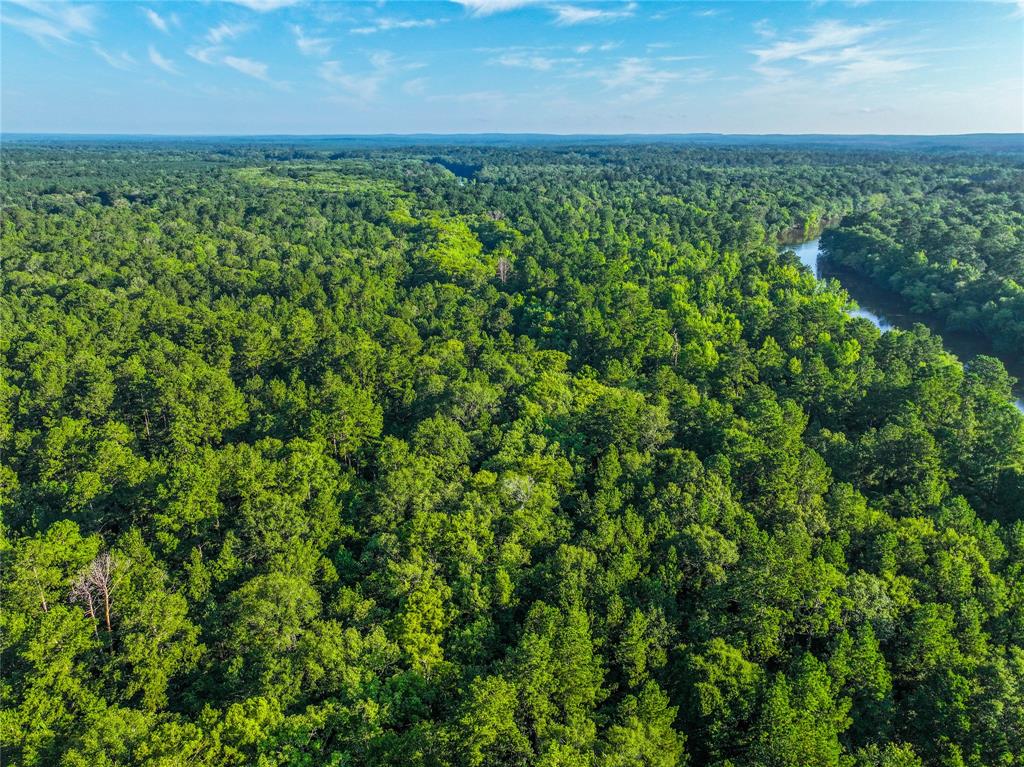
[{"x": 506, "y": 456}]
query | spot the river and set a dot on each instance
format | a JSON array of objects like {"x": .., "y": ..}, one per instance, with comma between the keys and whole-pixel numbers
[{"x": 888, "y": 310}]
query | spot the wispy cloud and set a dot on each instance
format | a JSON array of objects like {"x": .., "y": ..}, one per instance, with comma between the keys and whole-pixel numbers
[
  {"x": 40, "y": 30},
  {"x": 308, "y": 45},
  {"x": 263, "y": 6},
  {"x": 640, "y": 77},
  {"x": 249, "y": 67},
  {"x": 163, "y": 63},
  {"x": 825, "y": 35},
  {"x": 840, "y": 53},
  {"x": 364, "y": 85},
  {"x": 633, "y": 79},
  {"x": 487, "y": 7},
  {"x": 388, "y": 24},
  {"x": 588, "y": 47},
  {"x": 208, "y": 54},
  {"x": 224, "y": 31},
  {"x": 523, "y": 60},
  {"x": 861, "y": 65},
  {"x": 215, "y": 52},
  {"x": 116, "y": 60},
  {"x": 155, "y": 19},
  {"x": 51, "y": 22},
  {"x": 568, "y": 15},
  {"x": 215, "y": 55}
]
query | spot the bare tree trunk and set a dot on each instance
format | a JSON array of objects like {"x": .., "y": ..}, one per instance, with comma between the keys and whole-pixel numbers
[
  {"x": 42, "y": 593},
  {"x": 104, "y": 581},
  {"x": 95, "y": 581},
  {"x": 81, "y": 591},
  {"x": 106, "y": 608},
  {"x": 504, "y": 269}
]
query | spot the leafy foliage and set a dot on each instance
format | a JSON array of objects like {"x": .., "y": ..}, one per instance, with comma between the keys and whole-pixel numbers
[{"x": 325, "y": 456}]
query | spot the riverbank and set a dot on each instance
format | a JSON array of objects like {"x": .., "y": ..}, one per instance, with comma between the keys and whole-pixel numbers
[{"x": 888, "y": 310}]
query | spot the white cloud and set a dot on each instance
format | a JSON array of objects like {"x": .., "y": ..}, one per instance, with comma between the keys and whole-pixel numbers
[
  {"x": 629, "y": 79},
  {"x": 635, "y": 78},
  {"x": 822, "y": 36},
  {"x": 209, "y": 54},
  {"x": 487, "y": 7},
  {"x": 310, "y": 46},
  {"x": 638, "y": 73},
  {"x": 215, "y": 55},
  {"x": 365, "y": 85},
  {"x": 383, "y": 60},
  {"x": 249, "y": 67},
  {"x": 848, "y": 53},
  {"x": 155, "y": 19},
  {"x": 361, "y": 87},
  {"x": 214, "y": 52},
  {"x": 262, "y": 6},
  {"x": 224, "y": 31},
  {"x": 118, "y": 60},
  {"x": 386, "y": 25},
  {"x": 40, "y": 30},
  {"x": 872, "y": 66},
  {"x": 830, "y": 54},
  {"x": 50, "y": 22},
  {"x": 530, "y": 61},
  {"x": 159, "y": 61},
  {"x": 568, "y": 15}
]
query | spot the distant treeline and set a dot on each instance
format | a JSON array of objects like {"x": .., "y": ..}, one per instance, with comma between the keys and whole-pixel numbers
[{"x": 968, "y": 142}]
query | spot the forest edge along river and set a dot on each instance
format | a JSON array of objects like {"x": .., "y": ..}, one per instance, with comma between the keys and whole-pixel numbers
[{"x": 888, "y": 310}]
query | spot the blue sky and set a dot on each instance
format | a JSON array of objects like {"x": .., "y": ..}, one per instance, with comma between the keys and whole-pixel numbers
[{"x": 565, "y": 66}]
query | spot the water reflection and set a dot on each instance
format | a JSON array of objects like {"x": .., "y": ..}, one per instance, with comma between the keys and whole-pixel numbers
[{"x": 888, "y": 310}]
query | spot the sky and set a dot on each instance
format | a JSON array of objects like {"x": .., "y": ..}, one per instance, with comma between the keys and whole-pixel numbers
[{"x": 485, "y": 66}]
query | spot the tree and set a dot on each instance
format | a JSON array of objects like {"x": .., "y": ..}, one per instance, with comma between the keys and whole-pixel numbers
[
  {"x": 801, "y": 719},
  {"x": 94, "y": 587}
]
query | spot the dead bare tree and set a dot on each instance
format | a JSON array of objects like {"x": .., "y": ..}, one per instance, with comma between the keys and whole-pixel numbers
[
  {"x": 81, "y": 591},
  {"x": 504, "y": 269},
  {"x": 95, "y": 586},
  {"x": 675, "y": 348}
]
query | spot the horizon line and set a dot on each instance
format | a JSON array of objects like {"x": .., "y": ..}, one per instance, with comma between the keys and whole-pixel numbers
[{"x": 422, "y": 134}]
